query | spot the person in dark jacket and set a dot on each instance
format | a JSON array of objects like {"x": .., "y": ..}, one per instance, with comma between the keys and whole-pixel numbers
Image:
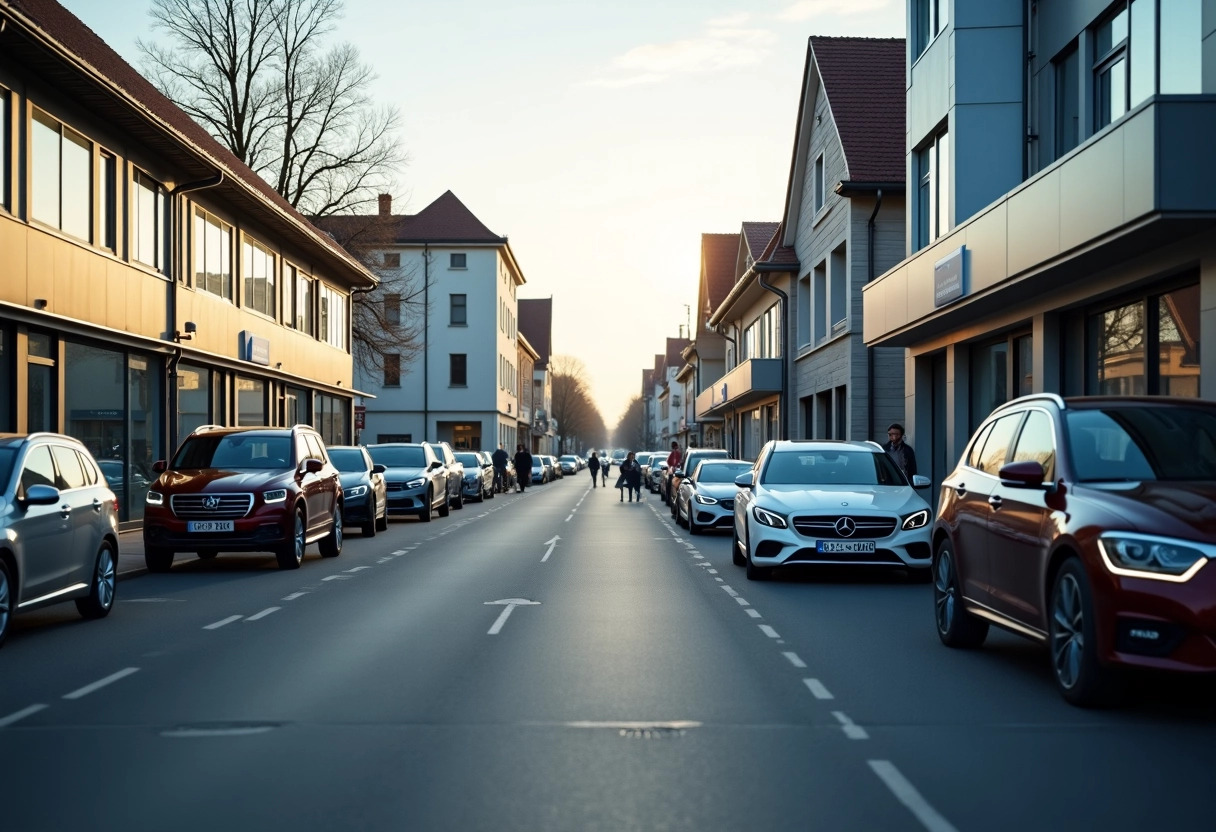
[
  {"x": 631, "y": 478},
  {"x": 593, "y": 462},
  {"x": 523, "y": 466},
  {"x": 500, "y": 460},
  {"x": 900, "y": 451}
]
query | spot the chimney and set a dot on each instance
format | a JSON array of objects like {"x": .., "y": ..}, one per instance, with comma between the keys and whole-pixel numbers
[{"x": 386, "y": 204}]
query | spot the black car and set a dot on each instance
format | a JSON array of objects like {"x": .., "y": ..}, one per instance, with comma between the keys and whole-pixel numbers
[{"x": 364, "y": 496}]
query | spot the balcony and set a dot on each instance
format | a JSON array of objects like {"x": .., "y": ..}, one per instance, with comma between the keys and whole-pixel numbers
[{"x": 752, "y": 381}]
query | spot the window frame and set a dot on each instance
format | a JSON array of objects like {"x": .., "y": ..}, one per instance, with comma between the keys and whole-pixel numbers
[
  {"x": 250, "y": 247},
  {"x": 41, "y": 117},
  {"x": 458, "y": 361},
  {"x": 141, "y": 182},
  {"x": 392, "y": 369},
  {"x": 462, "y": 307},
  {"x": 458, "y": 264},
  {"x": 227, "y": 233}
]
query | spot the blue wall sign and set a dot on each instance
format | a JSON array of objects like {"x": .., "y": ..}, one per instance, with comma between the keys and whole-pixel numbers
[
  {"x": 950, "y": 277},
  {"x": 255, "y": 349}
]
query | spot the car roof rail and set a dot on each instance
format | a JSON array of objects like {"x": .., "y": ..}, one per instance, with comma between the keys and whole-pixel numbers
[
  {"x": 208, "y": 427},
  {"x": 1054, "y": 398},
  {"x": 872, "y": 442}
]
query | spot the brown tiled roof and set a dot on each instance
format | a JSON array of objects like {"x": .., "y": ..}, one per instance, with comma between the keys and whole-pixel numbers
[
  {"x": 536, "y": 323},
  {"x": 65, "y": 29},
  {"x": 756, "y": 235},
  {"x": 675, "y": 346},
  {"x": 718, "y": 253},
  {"x": 864, "y": 79},
  {"x": 445, "y": 220},
  {"x": 777, "y": 253}
]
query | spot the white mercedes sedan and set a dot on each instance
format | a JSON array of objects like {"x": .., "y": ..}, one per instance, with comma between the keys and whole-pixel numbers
[{"x": 814, "y": 502}]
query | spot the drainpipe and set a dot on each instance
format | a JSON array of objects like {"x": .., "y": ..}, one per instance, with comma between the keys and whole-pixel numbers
[
  {"x": 426, "y": 337},
  {"x": 869, "y": 277},
  {"x": 734, "y": 436},
  {"x": 783, "y": 398}
]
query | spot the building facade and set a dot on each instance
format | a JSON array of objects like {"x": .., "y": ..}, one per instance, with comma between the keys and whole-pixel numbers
[
  {"x": 536, "y": 323},
  {"x": 149, "y": 281}
]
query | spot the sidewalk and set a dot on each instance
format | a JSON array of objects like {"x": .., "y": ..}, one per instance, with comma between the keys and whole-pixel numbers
[{"x": 131, "y": 554}]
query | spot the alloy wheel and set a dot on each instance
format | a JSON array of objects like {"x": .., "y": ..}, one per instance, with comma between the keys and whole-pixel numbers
[
  {"x": 1067, "y": 631},
  {"x": 944, "y": 594},
  {"x": 6, "y": 601},
  {"x": 106, "y": 577}
]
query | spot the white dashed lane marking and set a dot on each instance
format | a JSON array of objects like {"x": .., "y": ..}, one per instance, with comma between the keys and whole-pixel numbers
[
  {"x": 851, "y": 729},
  {"x": 742, "y": 602},
  {"x": 101, "y": 683},
  {"x": 769, "y": 631},
  {"x": 293, "y": 596},
  {"x": 223, "y": 622},
  {"x": 20, "y": 715},
  {"x": 260, "y": 615},
  {"x": 907, "y": 794},
  {"x": 753, "y": 613},
  {"x": 817, "y": 689},
  {"x": 794, "y": 660}
]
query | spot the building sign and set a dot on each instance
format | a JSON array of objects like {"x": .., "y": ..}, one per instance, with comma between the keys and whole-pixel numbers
[
  {"x": 360, "y": 417},
  {"x": 950, "y": 277},
  {"x": 255, "y": 349}
]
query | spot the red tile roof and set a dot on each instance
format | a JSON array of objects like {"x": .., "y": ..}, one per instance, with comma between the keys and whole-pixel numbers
[
  {"x": 865, "y": 82},
  {"x": 718, "y": 253},
  {"x": 536, "y": 323},
  {"x": 756, "y": 236}
]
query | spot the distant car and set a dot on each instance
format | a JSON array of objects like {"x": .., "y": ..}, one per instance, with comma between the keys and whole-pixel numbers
[
  {"x": 1086, "y": 524},
  {"x": 415, "y": 480},
  {"x": 454, "y": 470},
  {"x": 706, "y": 498},
  {"x": 364, "y": 494},
  {"x": 58, "y": 527},
  {"x": 657, "y": 471},
  {"x": 244, "y": 489},
  {"x": 817, "y": 502},
  {"x": 687, "y": 463},
  {"x": 569, "y": 464},
  {"x": 554, "y": 470},
  {"x": 478, "y": 475},
  {"x": 540, "y": 470}
]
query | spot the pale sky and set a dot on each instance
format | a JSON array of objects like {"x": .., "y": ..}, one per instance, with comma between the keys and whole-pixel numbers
[{"x": 603, "y": 138}]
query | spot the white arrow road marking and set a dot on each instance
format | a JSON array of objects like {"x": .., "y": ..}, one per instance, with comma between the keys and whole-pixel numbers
[
  {"x": 907, "y": 794},
  {"x": 20, "y": 715},
  {"x": 851, "y": 729},
  {"x": 101, "y": 683},
  {"x": 511, "y": 604},
  {"x": 552, "y": 542}
]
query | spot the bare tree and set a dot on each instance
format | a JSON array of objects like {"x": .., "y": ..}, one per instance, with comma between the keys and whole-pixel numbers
[
  {"x": 262, "y": 78},
  {"x": 631, "y": 429},
  {"x": 577, "y": 416}
]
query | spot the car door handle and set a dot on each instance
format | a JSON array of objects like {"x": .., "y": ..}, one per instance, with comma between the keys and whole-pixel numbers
[
  {"x": 65, "y": 511},
  {"x": 97, "y": 505},
  {"x": 960, "y": 488},
  {"x": 994, "y": 501}
]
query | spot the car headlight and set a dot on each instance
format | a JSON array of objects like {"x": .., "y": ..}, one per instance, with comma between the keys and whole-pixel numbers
[
  {"x": 916, "y": 520},
  {"x": 154, "y": 498},
  {"x": 355, "y": 491},
  {"x": 768, "y": 518},
  {"x": 703, "y": 500},
  {"x": 278, "y": 495},
  {"x": 1145, "y": 556},
  {"x": 418, "y": 483},
  {"x": 470, "y": 478}
]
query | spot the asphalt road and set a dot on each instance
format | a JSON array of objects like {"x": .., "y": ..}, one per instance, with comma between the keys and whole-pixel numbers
[{"x": 560, "y": 660}]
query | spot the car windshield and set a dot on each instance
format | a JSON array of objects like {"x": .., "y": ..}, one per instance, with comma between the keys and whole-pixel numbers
[
  {"x": 398, "y": 457},
  {"x": 7, "y": 457},
  {"x": 234, "y": 450},
  {"x": 468, "y": 459},
  {"x": 348, "y": 460},
  {"x": 1131, "y": 444},
  {"x": 569, "y": 458},
  {"x": 831, "y": 467},
  {"x": 722, "y": 473}
]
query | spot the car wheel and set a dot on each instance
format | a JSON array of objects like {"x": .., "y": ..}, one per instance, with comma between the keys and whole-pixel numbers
[
  {"x": 368, "y": 529},
  {"x": 100, "y": 600},
  {"x": 446, "y": 508},
  {"x": 157, "y": 558},
  {"x": 755, "y": 573},
  {"x": 459, "y": 498},
  {"x": 7, "y": 600},
  {"x": 736, "y": 556},
  {"x": 1073, "y": 638},
  {"x": 331, "y": 544},
  {"x": 291, "y": 553},
  {"x": 693, "y": 528},
  {"x": 207, "y": 554},
  {"x": 424, "y": 513},
  {"x": 382, "y": 522},
  {"x": 955, "y": 626}
]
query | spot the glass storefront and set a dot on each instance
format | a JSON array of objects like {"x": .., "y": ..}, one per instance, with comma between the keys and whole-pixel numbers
[
  {"x": 331, "y": 420},
  {"x": 7, "y": 416},
  {"x": 194, "y": 406},
  {"x": 40, "y": 369},
  {"x": 143, "y": 429},
  {"x": 295, "y": 406},
  {"x": 251, "y": 402},
  {"x": 1148, "y": 347},
  {"x": 989, "y": 380}
]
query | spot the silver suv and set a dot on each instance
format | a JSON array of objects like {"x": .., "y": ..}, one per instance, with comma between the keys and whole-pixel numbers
[{"x": 58, "y": 527}]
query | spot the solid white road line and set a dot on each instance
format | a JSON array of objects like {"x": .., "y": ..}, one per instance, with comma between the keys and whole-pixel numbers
[
  {"x": 20, "y": 715},
  {"x": 223, "y": 621},
  {"x": 851, "y": 729},
  {"x": 817, "y": 689},
  {"x": 794, "y": 660},
  {"x": 754, "y": 613},
  {"x": 187, "y": 733},
  {"x": 768, "y": 631},
  {"x": 263, "y": 613},
  {"x": 101, "y": 683},
  {"x": 907, "y": 794},
  {"x": 293, "y": 596}
]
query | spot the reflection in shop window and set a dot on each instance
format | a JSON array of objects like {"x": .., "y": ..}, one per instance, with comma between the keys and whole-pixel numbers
[
  {"x": 989, "y": 380},
  {"x": 143, "y": 430},
  {"x": 1178, "y": 342},
  {"x": 251, "y": 402},
  {"x": 193, "y": 398},
  {"x": 1120, "y": 351}
]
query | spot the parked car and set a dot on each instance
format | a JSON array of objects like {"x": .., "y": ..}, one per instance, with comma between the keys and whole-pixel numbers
[
  {"x": 815, "y": 502},
  {"x": 706, "y": 499},
  {"x": 687, "y": 464},
  {"x": 478, "y": 475},
  {"x": 454, "y": 470},
  {"x": 364, "y": 494},
  {"x": 569, "y": 464},
  {"x": 415, "y": 480},
  {"x": 1086, "y": 524},
  {"x": 540, "y": 470},
  {"x": 555, "y": 468},
  {"x": 244, "y": 489},
  {"x": 58, "y": 528},
  {"x": 657, "y": 470},
  {"x": 643, "y": 460}
]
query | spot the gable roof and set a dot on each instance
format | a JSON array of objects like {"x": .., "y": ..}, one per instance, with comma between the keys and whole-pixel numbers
[
  {"x": 717, "y": 270},
  {"x": 756, "y": 236},
  {"x": 446, "y": 220},
  {"x": 675, "y": 346},
  {"x": 536, "y": 322},
  {"x": 865, "y": 83},
  {"x": 776, "y": 253}
]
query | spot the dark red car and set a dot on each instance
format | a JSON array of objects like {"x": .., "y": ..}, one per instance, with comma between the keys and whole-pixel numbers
[
  {"x": 1088, "y": 524},
  {"x": 244, "y": 490}
]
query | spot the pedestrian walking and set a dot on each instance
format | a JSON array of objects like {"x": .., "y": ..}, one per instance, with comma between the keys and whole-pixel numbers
[
  {"x": 900, "y": 451},
  {"x": 593, "y": 462},
  {"x": 523, "y": 466},
  {"x": 673, "y": 462},
  {"x": 631, "y": 478},
  {"x": 500, "y": 458}
]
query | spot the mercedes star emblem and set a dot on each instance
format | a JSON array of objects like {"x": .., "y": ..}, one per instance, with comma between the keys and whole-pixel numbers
[
  {"x": 211, "y": 503},
  {"x": 845, "y": 527}
]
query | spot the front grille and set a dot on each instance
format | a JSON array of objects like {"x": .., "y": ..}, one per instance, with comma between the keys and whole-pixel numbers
[
  {"x": 824, "y": 528},
  {"x": 729, "y": 505},
  {"x": 193, "y": 506},
  {"x": 394, "y": 486}
]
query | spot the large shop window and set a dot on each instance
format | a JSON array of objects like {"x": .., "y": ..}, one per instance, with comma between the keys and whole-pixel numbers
[
  {"x": 62, "y": 186},
  {"x": 993, "y": 381},
  {"x": 150, "y": 222},
  {"x": 1150, "y": 346},
  {"x": 259, "y": 267},
  {"x": 8, "y": 418},
  {"x": 251, "y": 402},
  {"x": 195, "y": 403},
  {"x": 332, "y": 420},
  {"x": 212, "y": 255},
  {"x": 40, "y": 382}
]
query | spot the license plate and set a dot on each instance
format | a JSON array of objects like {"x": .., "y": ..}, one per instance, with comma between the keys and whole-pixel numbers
[
  {"x": 845, "y": 547},
  {"x": 209, "y": 526}
]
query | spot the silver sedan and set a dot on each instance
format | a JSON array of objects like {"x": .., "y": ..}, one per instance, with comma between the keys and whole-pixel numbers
[{"x": 706, "y": 499}]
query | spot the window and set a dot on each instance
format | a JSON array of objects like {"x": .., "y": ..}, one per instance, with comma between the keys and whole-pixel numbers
[
  {"x": 1125, "y": 55},
  {"x": 107, "y": 204},
  {"x": 62, "y": 184},
  {"x": 1110, "y": 68},
  {"x": 392, "y": 370},
  {"x": 392, "y": 310},
  {"x": 5, "y": 127},
  {"x": 933, "y": 213},
  {"x": 929, "y": 19},
  {"x": 1068, "y": 101},
  {"x": 839, "y": 296},
  {"x": 392, "y": 260},
  {"x": 251, "y": 402},
  {"x": 819, "y": 184},
  {"x": 333, "y": 324},
  {"x": 460, "y": 312},
  {"x": 212, "y": 255},
  {"x": 71, "y": 475},
  {"x": 457, "y": 261},
  {"x": 996, "y": 446},
  {"x": 149, "y": 222},
  {"x": 805, "y": 310},
  {"x": 331, "y": 419},
  {"x": 989, "y": 380},
  {"x": 1151, "y": 346},
  {"x": 459, "y": 370},
  {"x": 820, "y": 303},
  {"x": 302, "y": 316},
  {"x": 258, "y": 266},
  {"x": 1036, "y": 443},
  {"x": 38, "y": 470}
]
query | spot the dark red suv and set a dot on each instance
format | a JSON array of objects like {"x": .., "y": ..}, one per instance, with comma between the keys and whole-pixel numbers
[
  {"x": 1088, "y": 524},
  {"x": 244, "y": 490}
]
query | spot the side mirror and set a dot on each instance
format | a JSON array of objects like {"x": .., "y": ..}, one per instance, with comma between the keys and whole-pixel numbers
[
  {"x": 41, "y": 495},
  {"x": 378, "y": 469},
  {"x": 919, "y": 481},
  {"x": 679, "y": 472},
  {"x": 160, "y": 466},
  {"x": 312, "y": 465},
  {"x": 435, "y": 465},
  {"x": 746, "y": 480},
  {"x": 1028, "y": 474}
]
